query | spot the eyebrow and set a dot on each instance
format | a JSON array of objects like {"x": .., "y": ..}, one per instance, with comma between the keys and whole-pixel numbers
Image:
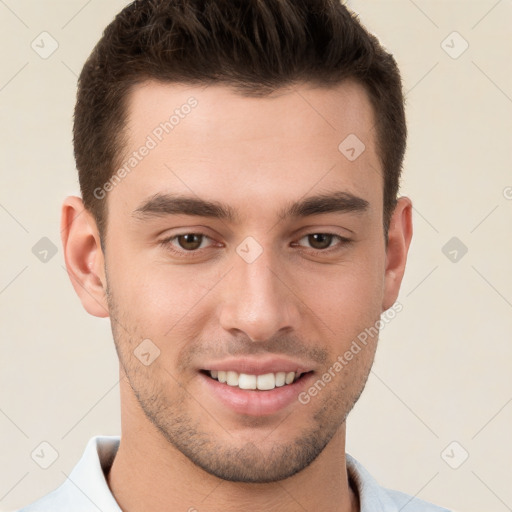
[
  {"x": 160, "y": 205},
  {"x": 337, "y": 202}
]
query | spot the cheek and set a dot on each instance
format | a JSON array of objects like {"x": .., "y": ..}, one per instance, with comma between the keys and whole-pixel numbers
[
  {"x": 161, "y": 298},
  {"x": 347, "y": 296}
]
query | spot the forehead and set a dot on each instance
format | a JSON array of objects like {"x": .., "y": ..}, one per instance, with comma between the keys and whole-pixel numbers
[
  {"x": 219, "y": 111},
  {"x": 212, "y": 140}
]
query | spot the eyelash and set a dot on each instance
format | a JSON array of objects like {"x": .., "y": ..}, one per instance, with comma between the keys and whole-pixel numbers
[
  {"x": 342, "y": 242},
  {"x": 167, "y": 244}
]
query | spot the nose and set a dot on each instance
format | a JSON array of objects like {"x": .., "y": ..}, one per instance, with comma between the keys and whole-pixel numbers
[{"x": 257, "y": 300}]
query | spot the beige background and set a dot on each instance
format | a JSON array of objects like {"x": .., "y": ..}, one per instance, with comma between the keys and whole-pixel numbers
[{"x": 444, "y": 368}]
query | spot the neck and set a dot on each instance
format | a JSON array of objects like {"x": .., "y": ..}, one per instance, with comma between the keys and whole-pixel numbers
[{"x": 148, "y": 473}]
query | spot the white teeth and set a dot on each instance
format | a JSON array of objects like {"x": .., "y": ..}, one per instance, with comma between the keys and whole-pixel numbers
[
  {"x": 263, "y": 382},
  {"x": 232, "y": 378},
  {"x": 289, "y": 377},
  {"x": 267, "y": 381},
  {"x": 247, "y": 381},
  {"x": 280, "y": 379}
]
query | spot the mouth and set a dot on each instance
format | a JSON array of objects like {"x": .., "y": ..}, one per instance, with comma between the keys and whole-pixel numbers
[
  {"x": 261, "y": 382},
  {"x": 255, "y": 386}
]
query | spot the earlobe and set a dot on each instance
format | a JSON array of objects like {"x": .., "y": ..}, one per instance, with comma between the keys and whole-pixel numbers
[
  {"x": 84, "y": 256},
  {"x": 399, "y": 240}
]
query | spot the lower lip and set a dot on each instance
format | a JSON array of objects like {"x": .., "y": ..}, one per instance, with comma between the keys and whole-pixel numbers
[{"x": 256, "y": 403}]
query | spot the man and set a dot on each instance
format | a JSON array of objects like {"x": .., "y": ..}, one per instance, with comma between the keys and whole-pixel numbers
[{"x": 239, "y": 165}]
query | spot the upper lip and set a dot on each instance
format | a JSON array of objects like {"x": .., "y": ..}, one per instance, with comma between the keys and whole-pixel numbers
[{"x": 259, "y": 366}]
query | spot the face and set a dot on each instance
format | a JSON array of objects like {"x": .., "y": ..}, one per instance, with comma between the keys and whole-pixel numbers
[{"x": 244, "y": 245}]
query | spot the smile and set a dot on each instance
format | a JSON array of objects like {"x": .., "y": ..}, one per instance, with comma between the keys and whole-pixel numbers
[{"x": 264, "y": 382}]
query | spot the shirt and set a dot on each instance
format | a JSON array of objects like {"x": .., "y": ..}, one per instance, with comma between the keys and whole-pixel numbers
[{"x": 86, "y": 488}]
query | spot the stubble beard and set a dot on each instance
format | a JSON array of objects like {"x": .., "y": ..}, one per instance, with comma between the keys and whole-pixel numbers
[{"x": 233, "y": 461}]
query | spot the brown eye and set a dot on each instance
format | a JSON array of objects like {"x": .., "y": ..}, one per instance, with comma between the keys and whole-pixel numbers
[
  {"x": 326, "y": 243},
  {"x": 320, "y": 240},
  {"x": 190, "y": 241}
]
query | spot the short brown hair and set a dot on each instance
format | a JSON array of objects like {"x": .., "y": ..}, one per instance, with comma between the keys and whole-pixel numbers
[{"x": 254, "y": 46}]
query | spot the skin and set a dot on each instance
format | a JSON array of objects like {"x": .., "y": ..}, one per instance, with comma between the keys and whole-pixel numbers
[{"x": 181, "y": 448}]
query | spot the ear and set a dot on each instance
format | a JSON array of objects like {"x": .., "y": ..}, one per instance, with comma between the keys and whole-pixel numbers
[
  {"x": 399, "y": 239},
  {"x": 83, "y": 256}
]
